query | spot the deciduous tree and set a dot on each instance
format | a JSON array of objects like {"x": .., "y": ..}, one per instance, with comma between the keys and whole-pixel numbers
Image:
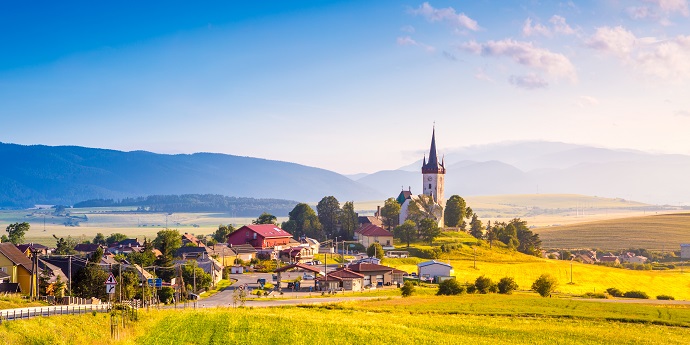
[
  {"x": 328, "y": 210},
  {"x": 16, "y": 232},
  {"x": 221, "y": 235},
  {"x": 545, "y": 285},
  {"x": 375, "y": 250},
  {"x": 406, "y": 232},
  {"x": 348, "y": 221},
  {"x": 429, "y": 230},
  {"x": 455, "y": 211},
  {"x": 476, "y": 227},
  {"x": 303, "y": 222},
  {"x": 390, "y": 213},
  {"x": 266, "y": 218}
]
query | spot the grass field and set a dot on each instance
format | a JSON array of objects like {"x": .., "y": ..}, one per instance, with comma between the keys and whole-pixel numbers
[
  {"x": 465, "y": 319},
  {"x": 657, "y": 232},
  {"x": 500, "y": 262}
]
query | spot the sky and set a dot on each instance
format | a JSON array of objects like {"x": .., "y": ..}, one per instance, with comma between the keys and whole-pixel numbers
[{"x": 349, "y": 86}]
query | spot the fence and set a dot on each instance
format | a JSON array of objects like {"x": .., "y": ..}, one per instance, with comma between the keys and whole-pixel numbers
[{"x": 27, "y": 313}]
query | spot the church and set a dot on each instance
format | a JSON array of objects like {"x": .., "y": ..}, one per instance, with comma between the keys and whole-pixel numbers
[{"x": 433, "y": 173}]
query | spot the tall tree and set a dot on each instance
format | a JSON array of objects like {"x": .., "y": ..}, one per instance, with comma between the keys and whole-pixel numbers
[
  {"x": 476, "y": 227},
  {"x": 529, "y": 241},
  {"x": 167, "y": 241},
  {"x": 64, "y": 246},
  {"x": 266, "y": 218},
  {"x": 507, "y": 234},
  {"x": 375, "y": 250},
  {"x": 390, "y": 213},
  {"x": 490, "y": 234},
  {"x": 303, "y": 221},
  {"x": 406, "y": 232},
  {"x": 221, "y": 235},
  {"x": 99, "y": 239},
  {"x": 455, "y": 211},
  {"x": 329, "y": 213},
  {"x": 16, "y": 232},
  {"x": 429, "y": 230},
  {"x": 114, "y": 238},
  {"x": 348, "y": 220}
]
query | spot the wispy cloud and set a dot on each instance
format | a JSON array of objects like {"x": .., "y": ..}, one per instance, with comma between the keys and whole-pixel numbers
[
  {"x": 664, "y": 58},
  {"x": 450, "y": 56},
  {"x": 659, "y": 10},
  {"x": 447, "y": 15},
  {"x": 587, "y": 101},
  {"x": 408, "y": 41},
  {"x": 529, "y": 81},
  {"x": 558, "y": 26},
  {"x": 683, "y": 113},
  {"x": 526, "y": 54},
  {"x": 408, "y": 28}
]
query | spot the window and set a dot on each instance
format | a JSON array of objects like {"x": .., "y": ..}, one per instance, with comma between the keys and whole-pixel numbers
[{"x": 429, "y": 185}]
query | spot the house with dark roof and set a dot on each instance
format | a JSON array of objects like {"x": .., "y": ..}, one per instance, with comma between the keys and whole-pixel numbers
[
  {"x": 260, "y": 236},
  {"x": 377, "y": 275},
  {"x": 192, "y": 252},
  {"x": 368, "y": 234},
  {"x": 86, "y": 248},
  {"x": 341, "y": 279},
  {"x": 26, "y": 248},
  {"x": 19, "y": 267},
  {"x": 188, "y": 239}
]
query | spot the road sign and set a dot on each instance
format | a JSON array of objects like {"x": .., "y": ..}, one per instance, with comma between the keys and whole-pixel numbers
[
  {"x": 110, "y": 288},
  {"x": 155, "y": 282},
  {"x": 111, "y": 280}
]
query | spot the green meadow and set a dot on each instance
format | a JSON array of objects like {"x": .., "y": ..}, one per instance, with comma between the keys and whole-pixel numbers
[{"x": 464, "y": 319}]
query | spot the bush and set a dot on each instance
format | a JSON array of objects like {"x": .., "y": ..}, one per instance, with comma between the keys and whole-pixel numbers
[
  {"x": 484, "y": 285},
  {"x": 165, "y": 294},
  {"x": 407, "y": 289},
  {"x": 375, "y": 250},
  {"x": 433, "y": 253},
  {"x": 471, "y": 288},
  {"x": 665, "y": 297},
  {"x": 507, "y": 285},
  {"x": 614, "y": 292},
  {"x": 636, "y": 294},
  {"x": 594, "y": 295},
  {"x": 450, "y": 287},
  {"x": 545, "y": 285}
]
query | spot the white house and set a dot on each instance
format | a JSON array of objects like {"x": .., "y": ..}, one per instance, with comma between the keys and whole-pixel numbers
[{"x": 433, "y": 269}]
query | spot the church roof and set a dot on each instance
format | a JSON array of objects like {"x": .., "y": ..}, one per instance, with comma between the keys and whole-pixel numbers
[
  {"x": 404, "y": 195},
  {"x": 433, "y": 166}
]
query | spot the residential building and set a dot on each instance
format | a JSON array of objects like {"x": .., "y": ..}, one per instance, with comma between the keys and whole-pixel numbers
[
  {"x": 17, "y": 266},
  {"x": 377, "y": 275},
  {"x": 260, "y": 236},
  {"x": 369, "y": 233},
  {"x": 189, "y": 238},
  {"x": 342, "y": 279},
  {"x": 433, "y": 269}
]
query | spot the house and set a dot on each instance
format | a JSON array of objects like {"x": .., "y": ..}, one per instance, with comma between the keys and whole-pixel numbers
[
  {"x": 244, "y": 252},
  {"x": 28, "y": 247},
  {"x": 433, "y": 269},
  {"x": 130, "y": 242},
  {"x": 377, "y": 275},
  {"x": 364, "y": 220},
  {"x": 16, "y": 265},
  {"x": 632, "y": 258},
  {"x": 86, "y": 249},
  {"x": 290, "y": 272},
  {"x": 585, "y": 258},
  {"x": 192, "y": 252},
  {"x": 51, "y": 271},
  {"x": 611, "y": 259},
  {"x": 188, "y": 239},
  {"x": 342, "y": 279},
  {"x": 297, "y": 254},
  {"x": 260, "y": 236},
  {"x": 369, "y": 233}
]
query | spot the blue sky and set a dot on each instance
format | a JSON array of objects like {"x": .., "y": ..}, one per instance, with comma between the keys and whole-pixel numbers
[{"x": 350, "y": 86}]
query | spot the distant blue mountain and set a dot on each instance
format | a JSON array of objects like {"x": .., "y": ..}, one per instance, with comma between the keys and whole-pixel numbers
[{"x": 40, "y": 174}]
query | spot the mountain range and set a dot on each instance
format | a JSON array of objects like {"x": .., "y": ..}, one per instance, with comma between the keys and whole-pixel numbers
[{"x": 39, "y": 174}]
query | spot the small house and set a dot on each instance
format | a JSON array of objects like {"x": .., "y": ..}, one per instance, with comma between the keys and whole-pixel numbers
[
  {"x": 16, "y": 265},
  {"x": 260, "y": 236},
  {"x": 433, "y": 269},
  {"x": 369, "y": 234}
]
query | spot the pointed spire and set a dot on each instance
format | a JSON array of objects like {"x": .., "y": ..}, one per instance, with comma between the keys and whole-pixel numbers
[
  {"x": 432, "y": 152},
  {"x": 432, "y": 165}
]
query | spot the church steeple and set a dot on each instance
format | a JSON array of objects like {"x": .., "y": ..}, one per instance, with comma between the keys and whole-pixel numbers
[{"x": 432, "y": 166}]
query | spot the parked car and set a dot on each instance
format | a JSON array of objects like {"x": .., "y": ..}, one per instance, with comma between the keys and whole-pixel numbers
[{"x": 308, "y": 276}]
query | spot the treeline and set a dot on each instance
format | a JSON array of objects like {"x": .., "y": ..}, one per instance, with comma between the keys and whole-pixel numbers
[{"x": 239, "y": 207}]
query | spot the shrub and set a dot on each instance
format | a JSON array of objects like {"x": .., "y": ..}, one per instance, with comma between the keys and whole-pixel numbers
[
  {"x": 450, "y": 287},
  {"x": 407, "y": 289},
  {"x": 165, "y": 294},
  {"x": 484, "y": 285},
  {"x": 594, "y": 295},
  {"x": 545, "y": 285},
  {"x": 636, "y": 294},
  {"x": 433, "y": 253},
  {"x": 614, "y": 292},
  {"x": 507, "y": 285},
  {"x": 665, "y": 297},
  {"x": 471, "y": 288}
]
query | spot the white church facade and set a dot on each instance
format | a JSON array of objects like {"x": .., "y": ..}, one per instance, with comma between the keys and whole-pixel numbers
[{"x": 433, "y": 174}]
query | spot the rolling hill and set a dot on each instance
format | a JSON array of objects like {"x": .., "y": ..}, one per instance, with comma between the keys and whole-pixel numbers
[{"x": 69, "y": 174}]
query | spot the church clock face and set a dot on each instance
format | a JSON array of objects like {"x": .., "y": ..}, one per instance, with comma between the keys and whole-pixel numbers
[{"x": 428, "y": 178}]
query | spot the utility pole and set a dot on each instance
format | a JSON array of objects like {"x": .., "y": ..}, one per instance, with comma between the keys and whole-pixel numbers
[
  {"x": 121, "y": 281},
  {"x": 69, "y": 269}
]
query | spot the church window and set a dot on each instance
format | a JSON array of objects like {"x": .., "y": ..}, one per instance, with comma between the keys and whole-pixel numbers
[{"x": 429, "y": 185}]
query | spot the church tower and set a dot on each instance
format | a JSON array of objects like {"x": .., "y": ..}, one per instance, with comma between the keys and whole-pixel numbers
[{"x": 433, "y": 173}]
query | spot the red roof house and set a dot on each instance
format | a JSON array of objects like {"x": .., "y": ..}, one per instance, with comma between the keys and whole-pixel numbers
[
  {"x": 371, "y": 233},
  {"x": 260, "y": 236}
]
